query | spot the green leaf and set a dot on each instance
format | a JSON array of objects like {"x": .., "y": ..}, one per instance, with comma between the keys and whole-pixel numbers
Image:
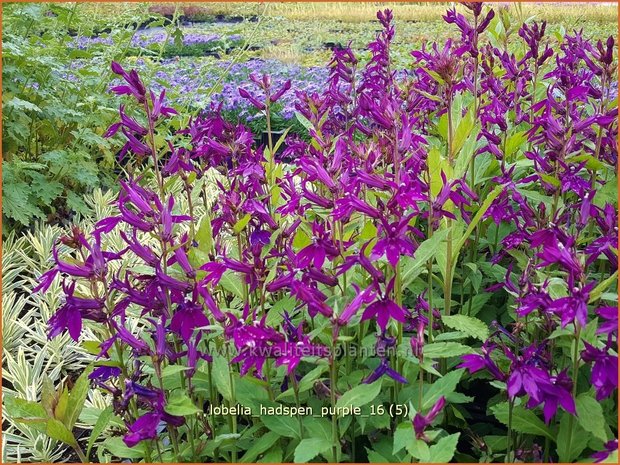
[
  {"x": 76, "y": 203},
  {"x": 180, "y": 404},
  {"x": 602, "y": 287},
  {"x": 441, "y": 387},
  {"x": 23, "y": 105},
  {"x": 21, "y": 409},
  {"x": 590, "y": 416},
  {"x": 375, "y": 457},
  {"x": 117, "y": 447},
  {"x": 273, "y": 455},
  {"x": 57, "y": 430},
  {"x": 221, "y": 377},
  {"x": 369, "y": 231},
  {"x": 419, "y": 450},
  {"x": 60, "y": 412},
  {"x": 259, "y": 446},
  {"x": 305, "y": 122},
  {"x": 250, "y": 392},
  {"x": 578, "y": 439},
  {"x": 496, "y": 443},
  {"x": 309, "y": 448},
  {"x": 425, "y": 251},
  {"x": 436, "y": 165},
  {"x": 463, "y": 130},
  {"x": 301, "y": 239},
  {"x": 513, "y": 142},
  {"x": 523, "y": 421},
  {"x": 403, "y": 435},
  {"x": 77, "y": 397},
  {"x": 204, "y": 235},
  {"x": 283, "y": 425},
  {"x": 48, "y": 395},
  {"x": 591, "y": 162},
  {"x": 360, "y": 395},
  {"x": 467, "y": 324},
  {"x": 173, "y": 370},
  {"x": 306, "y": 383},
  {"x": 318, "y": 427},
  {"x": 102, "y": 422},
  {"x": 444, "y": 450},
  {"x": 474, "y": 222},
  {"x": 446, "y": 349},
  {"x": 242, "y": 223},
  {"x": 232, "y": 283}
]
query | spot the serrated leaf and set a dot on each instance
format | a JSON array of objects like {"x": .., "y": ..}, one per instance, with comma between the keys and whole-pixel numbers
[
  {"x": 441, "y": 387},
  {"x": 309, "y": 448},
  {"x": 446, "y": 349},
  {"x": 359, "y": 395},
  {"x": 578, "y": 439},
  {"x": 117, "y": 447},
  {"x": 60, "y": 412},
  {"x": 590, "y": 416},
  {"x": 523, "y": 421},
  {"x": 250, "y": 392},
  {"x": 419, "y": 450},
  {"x": 181, "y": 405},
  {"x": 412, "y": 266},
  {"x": 232, "y": 283},
  {"x": 403, "y": 435},
  {"x": 221, "y": 377},
  {"x": 375, "y": 457},
  {"x": 444, "y": 450},
  {"x": 259, "y": 446},
  {"x": 283, "y": 425},
  {"x": 467, "y": 324}
]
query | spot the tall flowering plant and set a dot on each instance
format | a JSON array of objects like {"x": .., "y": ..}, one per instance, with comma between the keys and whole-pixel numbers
[{"x": 465, "y": 199}]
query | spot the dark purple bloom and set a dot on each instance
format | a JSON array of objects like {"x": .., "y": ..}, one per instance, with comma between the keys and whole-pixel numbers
[
  {"x": 421, "y": 422},
  {"x": 186, "y": 319},
  {"x": 145, "y": 427},
  {"x": 604, "y": 370},
  {"x": 384, "y": 369},
  {"x": 610, "y": 447}
]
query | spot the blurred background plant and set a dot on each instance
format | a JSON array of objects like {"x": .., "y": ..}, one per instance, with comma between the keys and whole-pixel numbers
[{"x": 28, "y": 356}]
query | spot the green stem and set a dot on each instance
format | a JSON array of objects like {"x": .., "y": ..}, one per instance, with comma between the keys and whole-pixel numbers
[
  {"x": 332, "y": 382},
  {"x": 571, "y": 419},
  {"x": 509, "y": 447},
  {"x": 298, "y": 403},
  {"x": 80, "y": 453}
]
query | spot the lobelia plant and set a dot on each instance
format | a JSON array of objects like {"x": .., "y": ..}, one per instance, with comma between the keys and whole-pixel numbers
[{"x": 360, "y": 272}]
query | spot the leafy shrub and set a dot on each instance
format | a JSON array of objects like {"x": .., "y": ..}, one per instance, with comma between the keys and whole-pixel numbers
[{"x": 55, "y": 108}]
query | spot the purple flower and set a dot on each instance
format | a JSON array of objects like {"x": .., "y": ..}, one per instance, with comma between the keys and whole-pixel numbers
[
  {"x": 384, "y": 369},
  {"x": 610, "y": 447},
  {"x": 145, "y": 427},
  {"x": 604, "y": 370},
  {"x": 186, "y": 319},
  {"x": 421, "y": 422},
  {"x": 383, "y": 309}
]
